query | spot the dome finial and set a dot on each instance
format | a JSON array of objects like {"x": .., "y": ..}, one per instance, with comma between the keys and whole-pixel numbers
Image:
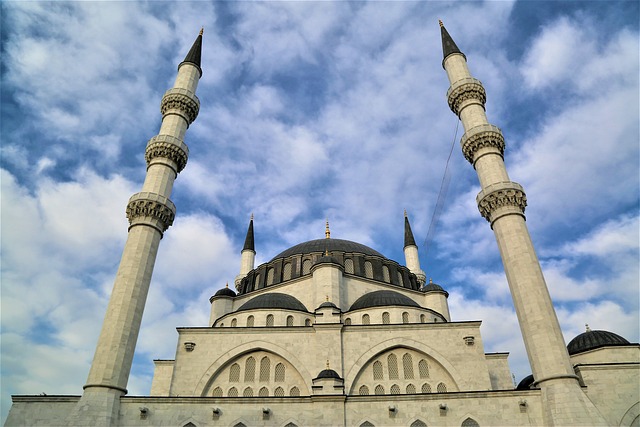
[
  {"x": 201, "y": 30},
  {"x": 327, "y": 232},
  {"x": 440, "y": 22},
  {"x": 327, "y": 298},
  {"x": 405, "y": 213},
  {"x": 227, "y": 285},
  {"x": 586, "y": 325},
  {"x": 327, "y": 363},
  {"x": 251, "y": 216},
  {"x": 430, "y": 280}
]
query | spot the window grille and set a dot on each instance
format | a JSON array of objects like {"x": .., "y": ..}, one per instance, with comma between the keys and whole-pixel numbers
[
  {"x": 400, "y": 281},
  {"x": 240, "y": 425},
  {"x": 407, "y": 365},
  {"x": 306, "y": 266},
  {"x": 442, "y": 388},
  {"x": 411, "y": 389},
  {"x": 366, "y": 424},
  {"x": 348, "y": 266},
  {"x": 385, "y": 274},
  {"x": 265, "y": 367},
  {"x": 423, "y": 367},
  {"x": 279, "y": 392},
  {"x": 233, "y": 392},
  {"x": 379, "y": 389},
  {"x": 365, "y": 319},
  {"x": 286, "y": 271},
  {"x": 363, "y": 391},
  {"x": 289, "y": 320},
  {"x": 290, "y": 425},
  {"x": 248, "y": 392},
  {"x": 234, "y": 373},
  {"x": 347, "y": 321},
  {"x": 418, "y": 423},
  {"x": 270, "y": 276},
  {"x": 250, "y": 369},
  {"x": 280, "y": 372},
  {"x": 405, "y": 317},
  {"x": 269, "y": 319},
  {"x": 234, "y": 323},
  {"x": 470, "y": 422},
  {"x": 295, "y": 391},
  {"x": 257, "y": 282},
  {"x": 426, "y": 388},
  {"x": 250, "y": 321},
  {"x": 264, "y": 392},
  {"x": 392, "y": 361},
  {"x": 395, "y": 389},
  {"x": 377, "y": 370},
  {"x": 368, "y": 270},
  {"x": 385, "y": 318},
  {"x": 217, "y": 392}
]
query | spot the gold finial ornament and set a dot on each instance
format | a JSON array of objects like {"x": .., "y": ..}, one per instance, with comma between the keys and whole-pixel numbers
[
  {"x": 327, "y": 363},
  {"x": 327, "y": 297},
  {"x": 405, "y": 213},
  {"x": 227, "y": 285},
  {"x": 251, "y": 216},
  {"x": 430, "y": 280},
  {"x": 327, "y": 232},
  {"x": 441, "y": 24},
  {"x": 201, "y": 30},
  {"x": 586, "y": 325}
]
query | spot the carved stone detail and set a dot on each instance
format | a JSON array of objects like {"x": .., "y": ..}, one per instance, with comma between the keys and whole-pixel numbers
[
  {"x": 182, "y": 100},
  {"x": 501, "y": 195},
  {"x": 151, "y": 209},
  {"x": 479, "y": 137},
  {"x": 464, "y": 90},
  {"x": 168, "y": 147}
]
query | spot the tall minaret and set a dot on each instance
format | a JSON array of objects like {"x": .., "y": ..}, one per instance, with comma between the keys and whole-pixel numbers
[
  {"x": 502, "y": 203},
  {"x": 411, "y": 252},
  {"x": 150, "y": 213},
  {"x": 248, "y": 255}
]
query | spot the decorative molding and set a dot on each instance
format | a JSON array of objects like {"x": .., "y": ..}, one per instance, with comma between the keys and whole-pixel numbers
[
  {"x": 168, "y": 147},
  {"x": 183, "y": 101},
  {"x": 479, "y": 137},
  {"x": 151, "y": 209},
  {"x": 465, "y": 90},
  {"x": 501, "y": 195}
]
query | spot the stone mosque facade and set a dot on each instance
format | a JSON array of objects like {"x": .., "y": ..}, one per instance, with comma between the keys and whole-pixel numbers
[{"x": 331, "y": 332}]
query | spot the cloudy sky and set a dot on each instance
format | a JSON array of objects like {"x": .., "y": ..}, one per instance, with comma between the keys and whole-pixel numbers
[{"x": 310, "y": 110}]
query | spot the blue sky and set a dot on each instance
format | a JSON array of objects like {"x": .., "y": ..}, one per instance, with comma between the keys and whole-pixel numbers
[{"x": 309, "y": 110}]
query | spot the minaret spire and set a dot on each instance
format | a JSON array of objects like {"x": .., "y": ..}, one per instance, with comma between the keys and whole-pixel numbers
[
  {"x": 247, "y": 255},
  {"x": 248, "y": 240},
  {"x": 502, "y": 203},
  {"x": 411, "y": 252},
  {"x": 150, "y": 214}
]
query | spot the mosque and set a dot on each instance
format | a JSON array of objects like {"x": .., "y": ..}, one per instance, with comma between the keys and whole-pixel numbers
[{"x": 331, "y": 332}]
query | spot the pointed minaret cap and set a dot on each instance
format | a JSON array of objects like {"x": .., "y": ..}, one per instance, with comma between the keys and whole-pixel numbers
[
  {"x": 195, "y": 54},
  {"x": 449, "y": 47},
  {"x": 408, "y": 234},
  {"x": 248, "y": 241}
]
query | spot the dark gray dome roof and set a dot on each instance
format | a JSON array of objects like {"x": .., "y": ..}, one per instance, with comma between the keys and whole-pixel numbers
[
  {"x": 331, "y": 245},
  {"x": 594, "y": 339},
  {"x": 225, "y": 292},
  {"x": 526, "y": 383},
  {"x": 327, "y": 373},
  {"x": 431, "y": 287},
  {"x": 381, "y": 299},
  {"x": 327, "y": 304},
  {"x": 273, "y": 300}
]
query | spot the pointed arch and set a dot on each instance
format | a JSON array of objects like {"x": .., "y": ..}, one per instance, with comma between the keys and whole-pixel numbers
[
  {"x": 234, "y": 373},
  {"x": 418, "y": 423},
  {"x": 392, "y": 363},
  {"x": 250, "y": 369},
  {"x": 470, "y": 422},
  {"x": 248, "y": 392},
  {"x": 407, "y": 366}
]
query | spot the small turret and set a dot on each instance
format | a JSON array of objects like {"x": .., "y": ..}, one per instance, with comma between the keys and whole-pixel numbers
[
  {"x": 247, "y": 255},
  {"x": 411, "y": 252}
]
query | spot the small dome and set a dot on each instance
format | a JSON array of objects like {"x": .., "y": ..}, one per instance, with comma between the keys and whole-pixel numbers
[
  {"x": 327, "y": 304},
  {"x": 433, "y": 287},
  {"x": 594, "y": 339},
  {"x": 381, "y": 299},
  {"x": 225, "y": 292},
  {"x": 526, "y": 383},
  {"x": 327, "y": 373},
  {"x": 273, "y": 300}
]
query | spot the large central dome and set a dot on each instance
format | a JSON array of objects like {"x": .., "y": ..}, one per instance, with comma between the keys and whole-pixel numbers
[{"x": 331, "y": 245}]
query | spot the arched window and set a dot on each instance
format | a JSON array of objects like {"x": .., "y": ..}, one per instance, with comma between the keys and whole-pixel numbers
[
  {"x": 270, "y": 276},
  {"x": 400, "y": 281},
  {"x": 386, "y": 318},
  {"x": 233, "y": 392},
  {"x": 265, "y": 367},
  {"x": 295, "y": 391},
  {"x": 392, "y": 361},
  {"x": 423, "y": 367},
  {"x": 234, "y": 373},
  {"x": 217, "y": 392},
  {"x": 379, "y": 389},
  {"x": 189, "y": 424},
  {"x": 418, "y": 423},
  {"x": 264, "y": 392},
  {"x": 411, "y": 389},
  {"x": 348, "y": 266},
  {"x": 248, "y": 392},
  {"x": 289, "y": 320},
  {"x": 426, "y": 388},
  {"x": 307, "y": 322},
  {"x": 279, "y": 373},
  {"x": 407, "y": 366},
  {"x": 385, "y": 274},
  {"x": 368, "y": 270},
  {"x": 442, "y": 388},
  {"x": 366, "y": 424},
  {"x": 470, "y": 422},
  {"x": 405, "y": 317},
  {"x": 347, "y": 321},
  {"x": 234, "y": 323},
  {"x": 290, "y": 425},
  {"x": 279, "y": 392},
  {"x": 250, "y": 321},
  {"x": 306, "y": 266},
  {"x": 257, "y": 282},
  {"x": 423, "y": 318},
  {"x": 286, "y": 271},
  {"x": 269, "y": 319},
  {"x": 377, "y": 370},
  {"x": 395, "y": 389},
  {"x": 365, "y": 319},
  {"x": 240, "y": 425},
  {"x": 363, "y": 391},
  {"x": 250, "y": 369}
]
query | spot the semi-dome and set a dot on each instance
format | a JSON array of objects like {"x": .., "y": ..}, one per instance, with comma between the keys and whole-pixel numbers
[
  {"x": 594, "y": 339},
  {"x": 331, "y": 245},
  {"x": 381, "y": 299},
  {"x": 273, "y": 300},
  {"x": 526, "y": 383}
]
